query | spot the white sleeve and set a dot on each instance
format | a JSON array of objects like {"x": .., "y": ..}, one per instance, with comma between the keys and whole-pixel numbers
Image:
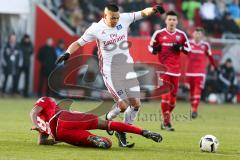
[
  {"x": 153, "y": 40},
  {"x": 88, "y": 36},
  {"x": 132, "y": 17}
]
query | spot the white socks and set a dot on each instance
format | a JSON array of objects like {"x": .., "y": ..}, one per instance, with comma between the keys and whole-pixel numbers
[
  {"x": 130, "y": 115},
  {"x": 114, "y": 112}
]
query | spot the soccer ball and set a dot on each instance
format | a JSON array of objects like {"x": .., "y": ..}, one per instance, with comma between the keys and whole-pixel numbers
[
  {"x": 209, "y": 143},
  {"x": 212, "y": 98}
]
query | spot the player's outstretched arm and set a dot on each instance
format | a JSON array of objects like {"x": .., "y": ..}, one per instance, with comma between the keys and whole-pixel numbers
[
  {"x": 152, "y": 10},
  {"x": 43, "y": 140},
  {"x": 33, "y": 115},
  {"x": 71, "y": 49}
]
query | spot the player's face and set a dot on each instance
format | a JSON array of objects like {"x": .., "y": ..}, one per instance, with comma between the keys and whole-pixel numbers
[
  {"x": 111, "y": 18},
  {"x": 171, "y": 22},
  {"x": 229, "y": 64},
  {"x": 197, "y": 35},
  {"x": 12, "y": 39}
]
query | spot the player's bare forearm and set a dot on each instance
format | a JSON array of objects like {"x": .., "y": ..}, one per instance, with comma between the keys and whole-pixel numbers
[
  {"x": 33, "y": 115},
  {"x": 73, "y": 47},
  {"x": 48, "y": 142},
  {"x": 148, "y": 12},
  {"x": 152, "y": 10},
  {"x": 43, "y": 140},
  {"x": 34, "y": 119}
]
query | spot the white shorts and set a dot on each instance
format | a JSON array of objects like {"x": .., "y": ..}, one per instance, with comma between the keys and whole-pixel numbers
[{"x": 122, "y": 87}]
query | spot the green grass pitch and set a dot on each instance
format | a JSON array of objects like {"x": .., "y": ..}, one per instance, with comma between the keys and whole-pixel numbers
[{"x": 17, "y": 142}]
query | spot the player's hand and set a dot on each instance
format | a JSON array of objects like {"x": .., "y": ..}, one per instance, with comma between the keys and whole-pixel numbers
[
  {"x": 34, "y": 128},
  {"x": 63, "y": 58},
  {"x": 159, "y": 8},
  {"x": 156, "y": 49},
  {"x": 176, "y": 47}
]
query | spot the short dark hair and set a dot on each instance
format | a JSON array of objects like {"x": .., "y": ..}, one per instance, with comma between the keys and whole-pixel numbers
[
  {"x": 171, "y": 13},
  {"x": 112, "y": 7},
  {"x": 228, "y": 60}
]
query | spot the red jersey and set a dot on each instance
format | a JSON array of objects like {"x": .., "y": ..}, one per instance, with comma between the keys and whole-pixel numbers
[
  {"x": 167, "y": 56},
  {"x": 198, "y": 58},
  {"x": 49, "y": 109}
]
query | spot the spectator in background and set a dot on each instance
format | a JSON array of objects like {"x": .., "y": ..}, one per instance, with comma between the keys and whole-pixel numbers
[
  {"x": 60, "y": 71},
  {"x": 208, "y": 13},
  {"x": 12, "y": 62},
  {"x": 27, "y": 49},
  {"x": 234, "y": 9},
  {"x": 210, "y": 86},
  {"x": 145, "y": 29},
  {"x": 70, "y": 13},
  {"x": 222, "y": 9},
  {"x": 156, "y": 27},
  {"x": 189, "y": 7},
  {"x": 60, "y": 48},
  {"x": 46, "y": 57},
  {"x": 229, "y": 25},
  {"x": 228, "y": 80}
]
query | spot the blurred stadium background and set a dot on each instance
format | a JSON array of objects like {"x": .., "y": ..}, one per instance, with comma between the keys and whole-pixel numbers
[{"x": 59, "y": 22}]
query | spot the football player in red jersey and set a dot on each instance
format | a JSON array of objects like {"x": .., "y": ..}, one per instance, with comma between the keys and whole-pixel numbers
[
  {"x": 196, "y": 70},
  {"x": 49, "y": 118},
  {"x": 168, "y": 43}
]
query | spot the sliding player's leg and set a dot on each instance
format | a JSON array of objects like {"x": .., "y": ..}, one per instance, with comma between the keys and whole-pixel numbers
[
  {"x": 120, "y": 127},
  {"x": 117, "y": 108},
  {"x": 83, "y": 138}
]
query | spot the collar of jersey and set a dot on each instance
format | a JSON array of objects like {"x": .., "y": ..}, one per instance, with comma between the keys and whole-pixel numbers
[{"x": 170, "y": 32}]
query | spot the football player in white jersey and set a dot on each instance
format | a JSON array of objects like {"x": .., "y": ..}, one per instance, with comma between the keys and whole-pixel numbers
[{"x": 111, "y": 35}]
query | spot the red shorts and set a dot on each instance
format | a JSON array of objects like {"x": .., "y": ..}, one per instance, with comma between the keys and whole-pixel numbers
[
  {"x": 173, "y": 81},
  {"x": 72, "y": 127},
  {"x": 196, "y": 84}
]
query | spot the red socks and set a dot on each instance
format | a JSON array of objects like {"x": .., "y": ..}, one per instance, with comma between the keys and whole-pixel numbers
[
  {"x": 195, "y": 103},
  {"x": 123, "y": 127},
  {"x": 166, "y": 112}
]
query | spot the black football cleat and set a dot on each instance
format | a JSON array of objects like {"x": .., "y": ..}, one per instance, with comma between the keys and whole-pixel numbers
[
  {"x": 151, "y": 135},
  {"x": 109, "y": 131},
  {"x": 122, "y": 140},
  {"x": 194, "y": 115},
  {"x": 99, "y": 142},
  {"x": 167, "y": 127}
]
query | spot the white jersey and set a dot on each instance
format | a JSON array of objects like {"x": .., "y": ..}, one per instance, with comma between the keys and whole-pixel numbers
[
  {"x": 113, "y": 53},
  {"x": 110, "y": 40}
]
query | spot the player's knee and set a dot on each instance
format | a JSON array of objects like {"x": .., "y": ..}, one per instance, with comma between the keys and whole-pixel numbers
[
  {"x": 136, "y": 103},
  {"x": 165, "y": 97},
  {"x": 172, "y": 101},
  {"x": 122, "y": 105}
]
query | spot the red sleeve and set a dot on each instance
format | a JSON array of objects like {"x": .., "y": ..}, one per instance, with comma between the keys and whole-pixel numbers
[
  {"x": 209, "y": 54},
  {"x": 211, "y": 60}
]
